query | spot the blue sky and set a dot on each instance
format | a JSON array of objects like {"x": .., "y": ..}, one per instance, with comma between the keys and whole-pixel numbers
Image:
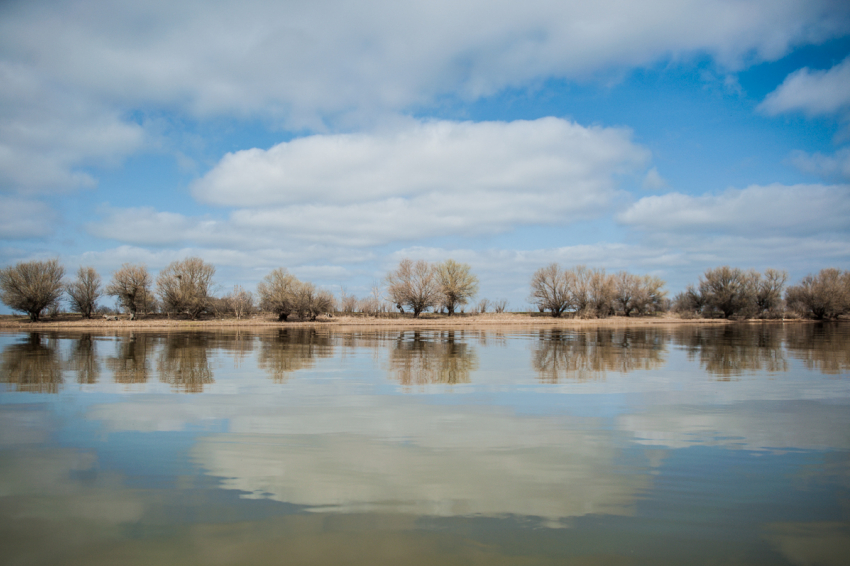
[{"x": 334, "y": 138}]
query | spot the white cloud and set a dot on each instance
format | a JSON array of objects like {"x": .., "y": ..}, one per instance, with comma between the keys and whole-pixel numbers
[
  {"x": 548, "y": 156},
  {"x": 424, "y": 180},
  {"x": 24, "y": 218},
  {"x": 73, "y": 73},
  {"x": 814, "y": 93},
  {"x": 835, "y": 166},
  {"x": 654, "y": 181},
  {"x": 777, "y": 210},
  {"x": 46, "y": 136}
]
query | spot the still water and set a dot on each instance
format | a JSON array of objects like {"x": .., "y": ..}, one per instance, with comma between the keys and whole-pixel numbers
[{"x": 667, "y": 445}]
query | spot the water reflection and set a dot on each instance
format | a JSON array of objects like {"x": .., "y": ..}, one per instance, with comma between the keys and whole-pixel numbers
[
  {"x": 183, "y": 362},
  {"x": 729, "y": 350},
  {"x": 131, "y": 364},
  {"x": 824, "y": 347},
  {"x": 83, "y": 360},
  {"x": 290, "y": 350},
  {"x": 33, "y": 365},
  {"x": 436, "y": 357},
  {"x": 587, "y": 354}
]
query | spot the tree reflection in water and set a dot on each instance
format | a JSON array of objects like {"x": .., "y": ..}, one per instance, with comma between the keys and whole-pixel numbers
[
  {"x": 83, "y": 359},
  {"x": 131, "y": 364},
  {"x": 822, "y": 346},
  {"x": 34, "y": 365},
  {"x": 434, "y": 358},
  {"x": 586, "y": 355},
  {"x": 183, "y": 362},
  {"x": 729, "y": 350},
  {"x": 292, "y": 349}
]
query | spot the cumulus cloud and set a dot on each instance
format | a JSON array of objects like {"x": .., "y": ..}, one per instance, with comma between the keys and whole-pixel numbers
[
  {"x": 812, "y": 92},
  {"x": 73, "y": 74},
  {"x": 654, "y": 181},
  {"x": 835, "y": 166},
  {"x": 424, "y": 180},
  {"x": 24, "y": 218},
  {"x": 542, "y": 157},
  {"x": 799, "y": 210},
  {"x": 47, "y": 137}
]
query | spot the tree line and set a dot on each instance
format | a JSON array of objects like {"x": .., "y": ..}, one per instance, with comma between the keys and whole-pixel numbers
[{"x": 186, "y": 288}]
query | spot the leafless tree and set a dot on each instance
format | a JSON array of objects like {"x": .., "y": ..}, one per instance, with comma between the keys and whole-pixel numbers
[
  {"x": 551, "y": 289},
  {"x": 500, "y": 305},
  {"x": 311, "y": 302},
  {"x": 483, "y": 305},
  {"x": 725, "y": 289},
  {"x": 626, "y": 292},
  {"x": 651, "y": 296},
  {"x": 347, "y": 303},
  {"x": 186, "y": 286},
  {"x": 413, "y": 285},
  {"x": 457, "y": 285},
  {"x": 767, "y": 291},
  {"x": 240, "y": 301},
  {"x": 85, "y": 291},
  {"x": 132, "y": 286},
  {"x": 602, "y": 291},
  {"x": 689, "y": 302},
  {"x": 32, "y": 286},
  {"x": 277, "y": 293},
  {"x": 822, "y": 296}
]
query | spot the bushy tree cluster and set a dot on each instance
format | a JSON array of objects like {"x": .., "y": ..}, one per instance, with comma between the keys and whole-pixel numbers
[
  {"x": 185, "y": 287},
  {"x": 420, "y": 285},
  {"x": 729, "y": 291},
  {"x": 822, "y": 296},
  {"x": 281, "y": 293},
  {"x": 591, "y": 293}
]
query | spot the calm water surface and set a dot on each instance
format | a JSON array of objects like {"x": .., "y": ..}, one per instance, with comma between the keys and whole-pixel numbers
[{"x": 675, "y": 445}]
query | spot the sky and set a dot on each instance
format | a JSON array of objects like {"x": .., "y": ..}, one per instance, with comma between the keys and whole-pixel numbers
[{"x": 335, "y": 138}]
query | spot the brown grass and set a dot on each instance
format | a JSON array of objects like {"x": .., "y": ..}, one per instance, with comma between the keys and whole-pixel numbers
[{"x": 426, "y": 320}]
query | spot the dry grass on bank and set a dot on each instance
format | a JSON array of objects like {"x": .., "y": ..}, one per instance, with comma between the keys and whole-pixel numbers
[{"x": 426, "y": 320}]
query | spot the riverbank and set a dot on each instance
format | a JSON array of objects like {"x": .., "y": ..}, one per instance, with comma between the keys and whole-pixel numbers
[{"x": 428, "y": 320}]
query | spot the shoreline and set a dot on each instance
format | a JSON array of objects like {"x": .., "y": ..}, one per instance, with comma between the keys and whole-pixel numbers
[{"x": 433, "y": 322}]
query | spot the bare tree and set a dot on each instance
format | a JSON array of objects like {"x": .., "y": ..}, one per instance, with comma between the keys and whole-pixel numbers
[
  {"x": 690, "y": 301},
  {"x": 186, "y": 286},
  {"x": 414, "y": 285},
  {"x": 551, "y": 289},
  {"x": 822, "y": 296},
  {"x": 240, "y": 301},
  {"x": 726, "y": 290},
  {"x": 626, "y": 292},
  {"x": 457, "y": 284},
  {"x": 602, "y": 291},
  {"x": 483, "y": 305},
  {"x": 132, "y": 286},
  {"x": 768, "y": 290},
  {"x": 500, "y": 305},
  {"x": 651, "y": 296},
  {"x": 311, "y": 302},
  {"x": 31, "y": 287},
  {"x": 85, "y": 291},
  {"x": 347, "y": 303},
  {"x": 277, "y": 293}
]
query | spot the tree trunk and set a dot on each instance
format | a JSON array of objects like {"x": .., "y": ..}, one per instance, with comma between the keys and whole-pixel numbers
[{"x": 281, "y": 317}]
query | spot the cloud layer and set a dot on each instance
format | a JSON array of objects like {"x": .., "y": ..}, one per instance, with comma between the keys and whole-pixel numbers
[
  {"x": 427, "y": 179},
  {"x": 812, "y": 92},
  {"x": 773, "y": 210},
  {"x": 80, "y": 70}
]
